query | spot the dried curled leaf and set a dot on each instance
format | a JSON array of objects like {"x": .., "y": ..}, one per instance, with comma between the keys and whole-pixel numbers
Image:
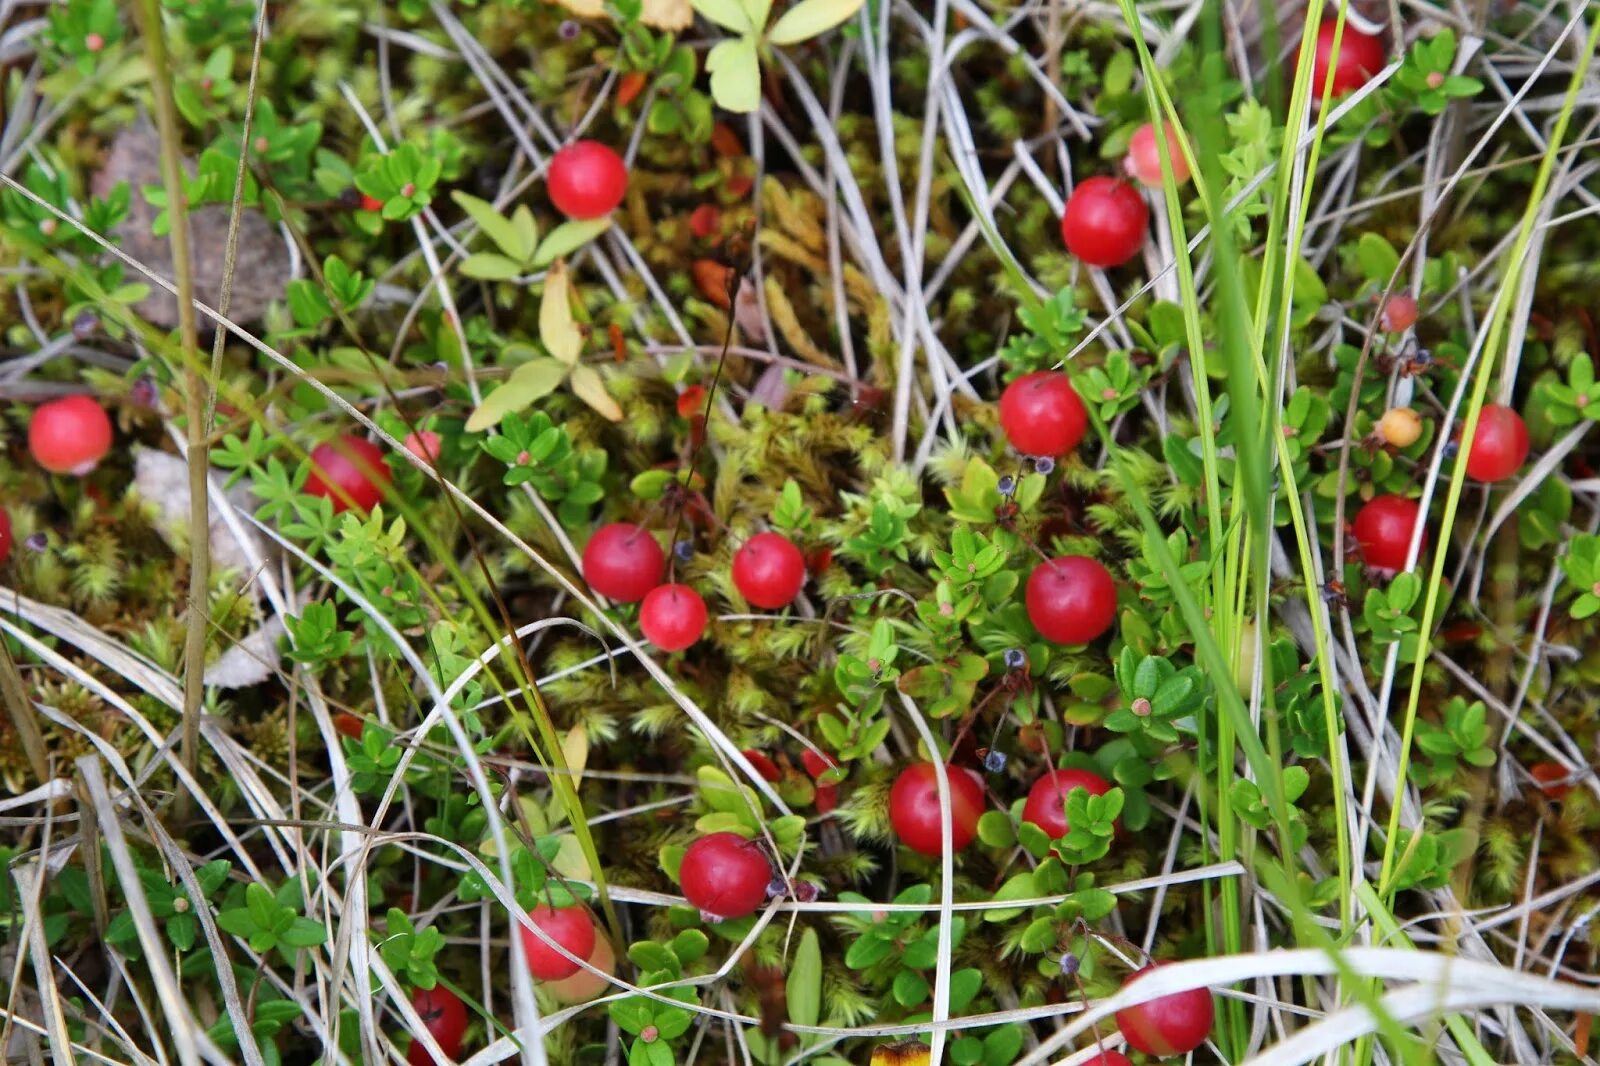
[{"x": 670, "y": 15}]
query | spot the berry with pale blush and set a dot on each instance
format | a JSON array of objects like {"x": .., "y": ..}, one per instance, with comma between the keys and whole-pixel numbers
[
  {"x": 351, "y": 471},
  {"x": 586, "y": 180},
  {"x": 1499, "y": 445},
  {"x": 571, "y": 927},
  {"x": 672, "y": 617},
  {"x": 725, "y": 876},
  {"x": 1042, "y": 414},
  {"x": 914, "y": 808},
  {"x": 1383, "y": 531},
  {"x": 1071, "y": 599},
  {"x": 1143, "y": 162},
  {"x": 1105, "y": 222},
  {"x": 768, "y": 571},
  {"x": 70, "y": 435},
  {"x": 623, "y": 562}
]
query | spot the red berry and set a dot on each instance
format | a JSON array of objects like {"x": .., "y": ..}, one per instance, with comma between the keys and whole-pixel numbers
[
  {"x": 914, "y": 808},
  {"x": 93, "y": 42},
  {"x": 1167, "y": 1025},
  {"x": 816, "y": 763},
  {"x": 1383, "y": 531},
  {"x": 1109, "y": 1058},
  {"x": 1047, "y": 799},
  {"x": 769, "y": 571},
  {"x": 349, "y": 725},
  {"x": 672, "y": 617},
  {"x": 424, "y": 444},
  {"x": 623, "y": 562},
  {"x": 1499, "y": 444},
  {"x": 586, "y": 180},
  {"x": 1071, "y": 599},
  {"x": 70, "y": 435},
  {"x": 1360, "y": 57},
  {"x": 1105, "y": 222},
  {"x": 446, "y": 1018},
  {"x": 5, "y": 535},
  {"x": 1143, "y": 162},
  {"x": 1399, "y": 313},
  {"x": 351, "y": 471},
  {"x": 1042, "y": 414},
  {"x": 725, "y": 875},
  {"x": 764, "y": 766},
  {"x": 371, "y": 203},
  {"x": 568, "y": 926}
]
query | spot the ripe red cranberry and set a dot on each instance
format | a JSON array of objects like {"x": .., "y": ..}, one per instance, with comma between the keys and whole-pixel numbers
[
  {"x": 70, "y": 435},
  {"x": 914, "y": 808},
  {"x": 1167, "y": 1025},
  {"x": 1399, "y": 313},
  {"x": 1143, "y": 162},
  {"x": 764, "y": 766},
  {"x": 586, "y": 180},
  {"x": 817, "y": 764},
  {"x": 769, "y": 571},
  {"x": 446, "y": 1018},
  {"x": 1499, "y": 445},
  {"x": 570, "y": 927},
  {"x": 1042, "y": 414},
  {"x": 424, "y": 444},
  {"x": 351, "y": 471},
  {"x": 725, "y": 875},
  {"x": 1071, "y": 599},
  {"x": 1360, "y": 57},
  {"x": 672, "y": 617},
  {"x": 623, "y": 562},
  {"x": 1109, "y": 1058},
  {"x": 1105, "y": 222},
  {"x": 1383, "y": 531},
  {"x": 1047, "y": 799},
  {"x": 5, "y": 535}
]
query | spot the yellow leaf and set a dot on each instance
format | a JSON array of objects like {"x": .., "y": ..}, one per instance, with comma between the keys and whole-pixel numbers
[
  {"x": 536, "y": 825},
  {"x": 575, "y": 749},
  {"x": 569, "y": 861},
  {"x": 529, "y": 382},
  {"x": 670, "y": 15},
  {"x": 809, "y": 18},
  {"x": 560, "y": 334},
  {"x": 735, "y": 74},
  {"x": 588, "y": 386}
]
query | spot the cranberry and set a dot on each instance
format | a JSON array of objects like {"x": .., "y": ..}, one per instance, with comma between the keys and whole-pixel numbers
[
  {"x": 672, "y": 617},
  {"x": 1042, "y": 414},
  {"x": 1109, "y": 1058},
  {"x": 1105, "y": 222},
  {"x": 1167, "y": 1025},
  {"x": 1143, "y": 162},
  {"x": 1071, "y": 599},
  {"x": 623, "y": 562},
  {"x": 5, "y": 535},
  {"x": 914, "y": 808},
  {"x": 1360, "y": 57},
  {"x": 568, "y": 926},
  {"x": 1499, "y": 444},
  {"x": 584, "y": 985},
  {"x": 764, "y": 766},
  {"x": 1399, "y": 313},
  {"x": 424, "y": 444},
  {"x": 351, "y": 471},
  {"x": 1047, "y": 799},
  {"x": 70, "y": 435},
  {"x": 586, "y": 180},
  {"x": 725, "y": 875},
  {"x": 1400, "y": 427},
  {"x": 446, "y": 1018},
  {"x": 769, "y": 570},
  {"x": 816, "y": 765},
  {"x": 1383, "y": 531}
]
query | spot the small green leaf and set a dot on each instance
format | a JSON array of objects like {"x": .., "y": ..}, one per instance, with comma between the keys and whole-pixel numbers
[
  {"x": 486, "y": 266},
  {"x": 568, "y": 238},
  {"x": 804, "y": 987},
  {"x": 729, "y": 14},
  {"x": 735, "y": 74},
  {"x": 528, "y": 383}
]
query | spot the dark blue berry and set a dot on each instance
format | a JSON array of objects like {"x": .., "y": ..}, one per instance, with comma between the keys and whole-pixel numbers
[
  {"x": 1016, "y": 658},
  {"x": 1044, "y": 464},
  {"x": 683, "y": 550},
  {"x": 994, "y": 762},
  {"x": 1008, "y": 485}
]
